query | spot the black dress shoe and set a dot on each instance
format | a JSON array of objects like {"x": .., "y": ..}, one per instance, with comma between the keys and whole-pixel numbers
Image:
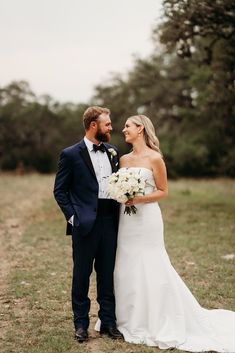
[
  {"x": 81, "y": 334},
  {"x": 112, "y": 332}
]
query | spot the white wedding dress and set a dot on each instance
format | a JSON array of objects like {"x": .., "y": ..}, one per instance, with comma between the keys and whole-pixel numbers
[{"x": 153, "y": 305}]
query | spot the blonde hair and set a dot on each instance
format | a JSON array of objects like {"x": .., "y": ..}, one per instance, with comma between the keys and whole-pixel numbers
[{"x": 150, "y": 137}]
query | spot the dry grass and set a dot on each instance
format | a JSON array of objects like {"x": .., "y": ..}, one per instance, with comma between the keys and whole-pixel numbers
[{"x": 36, "y": 261}]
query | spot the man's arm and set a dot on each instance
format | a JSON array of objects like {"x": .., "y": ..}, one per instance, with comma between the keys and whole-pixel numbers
[{"x": 62, "y": 185}]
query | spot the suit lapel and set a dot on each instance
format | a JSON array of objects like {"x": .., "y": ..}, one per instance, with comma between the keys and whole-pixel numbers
[
  {"x": 111, "y": 159},
  {"x": 86, "y": 157}
]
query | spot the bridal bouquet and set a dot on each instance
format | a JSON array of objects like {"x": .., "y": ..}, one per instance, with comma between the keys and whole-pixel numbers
[{"x": 124, "y": 185}]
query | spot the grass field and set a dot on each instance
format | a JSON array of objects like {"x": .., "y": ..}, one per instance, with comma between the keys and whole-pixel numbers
[{"x": 35, "y": 255}]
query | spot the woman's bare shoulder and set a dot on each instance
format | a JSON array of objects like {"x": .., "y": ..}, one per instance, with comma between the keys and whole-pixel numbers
[
  {"x": 156, "y": 156},
  {"x": 124, "y": 159}
]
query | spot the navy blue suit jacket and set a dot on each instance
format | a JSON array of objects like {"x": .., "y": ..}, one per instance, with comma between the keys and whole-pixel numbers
[{"x": 76, "y": 187}]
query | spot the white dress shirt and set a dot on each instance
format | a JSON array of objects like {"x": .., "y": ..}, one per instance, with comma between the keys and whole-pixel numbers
[{"x": 102, "y": 168}]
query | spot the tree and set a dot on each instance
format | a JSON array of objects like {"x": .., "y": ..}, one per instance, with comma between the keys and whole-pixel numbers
[
  {"x": 34, "y": 129},
  {"x": 203, "y": 32}
]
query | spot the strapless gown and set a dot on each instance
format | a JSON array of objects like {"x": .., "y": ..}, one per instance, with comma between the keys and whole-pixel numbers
[{"x": 153, "y": 305}]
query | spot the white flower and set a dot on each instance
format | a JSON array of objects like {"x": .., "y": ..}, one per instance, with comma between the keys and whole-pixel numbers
[
  {"x": 124, "y": 185},
  {"x": 112, "y": 152},
  {"x": 122, "y": 198}
]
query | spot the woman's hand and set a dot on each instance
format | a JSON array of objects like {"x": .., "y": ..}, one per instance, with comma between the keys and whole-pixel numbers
[{"x": 134, "y": 201}]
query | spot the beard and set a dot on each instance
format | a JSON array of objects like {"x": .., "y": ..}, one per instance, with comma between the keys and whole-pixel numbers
[{"x": 101, "y": 136}]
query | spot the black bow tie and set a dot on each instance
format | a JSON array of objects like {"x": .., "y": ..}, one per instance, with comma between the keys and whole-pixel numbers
[{"x": 100, "y": 147}]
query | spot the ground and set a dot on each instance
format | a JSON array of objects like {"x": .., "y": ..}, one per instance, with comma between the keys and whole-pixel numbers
[{"x": 35, "y": 276}]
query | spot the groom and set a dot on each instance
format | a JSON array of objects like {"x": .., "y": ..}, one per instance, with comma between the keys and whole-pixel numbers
[{"x": 92, "y": 219}]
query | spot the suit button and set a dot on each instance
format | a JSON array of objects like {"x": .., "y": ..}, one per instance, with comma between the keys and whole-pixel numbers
[{"x": 95, "y": 209}]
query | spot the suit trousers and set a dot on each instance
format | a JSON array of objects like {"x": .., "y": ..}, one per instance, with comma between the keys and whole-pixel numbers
[{"x": 97, "y": 248}]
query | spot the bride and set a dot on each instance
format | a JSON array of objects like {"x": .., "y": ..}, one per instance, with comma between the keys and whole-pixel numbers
[{"x": 153, "y": 304}]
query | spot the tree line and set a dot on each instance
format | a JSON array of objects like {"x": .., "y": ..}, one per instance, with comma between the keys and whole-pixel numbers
[{"x": 186, "y": 86}]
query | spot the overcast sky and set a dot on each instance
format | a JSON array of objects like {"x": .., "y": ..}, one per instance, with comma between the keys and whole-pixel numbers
[{"x": 65, "y": 47}]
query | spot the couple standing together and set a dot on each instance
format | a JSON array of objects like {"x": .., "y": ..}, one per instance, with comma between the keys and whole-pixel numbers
[{"x": 141, "y": 297}]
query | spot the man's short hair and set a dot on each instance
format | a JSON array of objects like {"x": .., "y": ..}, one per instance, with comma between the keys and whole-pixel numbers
[{"x": 92, "y": 114}]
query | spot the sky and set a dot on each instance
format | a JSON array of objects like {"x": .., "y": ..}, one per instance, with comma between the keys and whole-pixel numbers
[{"x": 65, "y": 47}]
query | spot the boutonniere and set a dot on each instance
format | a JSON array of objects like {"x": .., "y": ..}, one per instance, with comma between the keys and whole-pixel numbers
[{"x": 112, "y": 152}]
